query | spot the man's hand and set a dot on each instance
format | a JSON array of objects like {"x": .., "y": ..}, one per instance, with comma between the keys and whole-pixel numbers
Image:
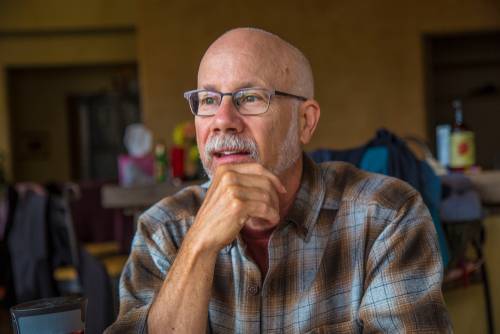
[{"x": 237, "y": 193}]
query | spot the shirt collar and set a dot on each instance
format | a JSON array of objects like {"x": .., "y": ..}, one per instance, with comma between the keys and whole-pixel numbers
[{"x": 309, "y": 199}]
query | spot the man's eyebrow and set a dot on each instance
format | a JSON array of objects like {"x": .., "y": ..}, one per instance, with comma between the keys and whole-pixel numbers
[
  {"x": 248, "y": 84},
  {"x": 208, "y": 87}
]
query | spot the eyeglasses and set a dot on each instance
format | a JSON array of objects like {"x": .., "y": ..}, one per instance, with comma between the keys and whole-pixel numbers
[{"x": 248, "y": 101}]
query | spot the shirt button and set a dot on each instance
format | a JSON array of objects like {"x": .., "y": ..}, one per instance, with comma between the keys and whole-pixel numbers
[{"x": 252, "y": 289}]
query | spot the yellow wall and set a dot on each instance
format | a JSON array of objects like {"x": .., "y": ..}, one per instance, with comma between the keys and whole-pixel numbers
[
  {"x": 366, "y": 56},
  {"x": 55, "y": 33},
  {"x": 28, "y": 15}
]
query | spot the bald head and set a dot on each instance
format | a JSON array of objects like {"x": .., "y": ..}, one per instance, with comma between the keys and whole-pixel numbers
[{"x": 284, "y": 65}]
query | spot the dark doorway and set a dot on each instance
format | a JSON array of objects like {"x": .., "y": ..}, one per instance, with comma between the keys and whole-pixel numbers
[
  {"x": 98, "y": 123},
  {"x": 466, "y": 67},
  {"x": 45, "y": 126}
]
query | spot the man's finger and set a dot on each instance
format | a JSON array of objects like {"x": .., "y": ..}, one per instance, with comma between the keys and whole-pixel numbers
[
  {"x": 257, "y": 209},
  {"x": 256, "y": 169},
  {"x": 258, "y": 194}
]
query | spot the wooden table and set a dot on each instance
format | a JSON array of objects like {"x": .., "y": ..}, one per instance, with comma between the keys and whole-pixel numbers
[
  {"x": 140, "y": 197},
  {"x": 137, "y": 199}
]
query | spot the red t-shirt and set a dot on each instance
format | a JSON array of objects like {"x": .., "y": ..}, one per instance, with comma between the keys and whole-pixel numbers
[{"x": 256, "y": 242}]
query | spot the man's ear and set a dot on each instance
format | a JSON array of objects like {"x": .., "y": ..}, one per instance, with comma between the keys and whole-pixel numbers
[{"x": 308, "y": 119}]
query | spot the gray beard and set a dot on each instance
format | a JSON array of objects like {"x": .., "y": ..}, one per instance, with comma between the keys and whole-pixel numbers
[{"x": 291, "y": 149}]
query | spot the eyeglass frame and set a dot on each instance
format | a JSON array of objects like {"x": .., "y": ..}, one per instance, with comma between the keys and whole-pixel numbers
[{"x": 271, "y": 92}]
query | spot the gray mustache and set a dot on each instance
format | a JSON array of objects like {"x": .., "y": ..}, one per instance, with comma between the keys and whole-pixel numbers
[{"x": 231, "y": 142}]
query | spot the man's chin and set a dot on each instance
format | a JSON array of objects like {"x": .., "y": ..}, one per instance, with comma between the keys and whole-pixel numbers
[{"x": 239, "y": 162}]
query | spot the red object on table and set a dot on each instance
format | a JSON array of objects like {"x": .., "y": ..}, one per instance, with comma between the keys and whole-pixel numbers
[{"x": 177, "y": 161}]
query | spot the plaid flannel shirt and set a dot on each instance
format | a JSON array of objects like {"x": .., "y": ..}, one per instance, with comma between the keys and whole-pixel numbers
[{"x": 358, "y": 253}]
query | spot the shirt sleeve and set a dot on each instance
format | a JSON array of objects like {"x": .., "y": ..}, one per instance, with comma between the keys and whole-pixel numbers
[
  {"x": 141, "y": 279},
  {"x": 404, "y": 273}
]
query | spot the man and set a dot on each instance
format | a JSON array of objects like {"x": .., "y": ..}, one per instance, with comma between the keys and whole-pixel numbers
[{"x": 278, "y": 244}]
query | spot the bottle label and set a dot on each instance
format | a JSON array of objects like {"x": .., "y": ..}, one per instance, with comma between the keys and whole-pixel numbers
[{"x": 462, "y": 149}]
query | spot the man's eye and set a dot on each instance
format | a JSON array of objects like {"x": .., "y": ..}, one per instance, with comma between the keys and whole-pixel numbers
[
  {"x": 250, "y": 98},
  {"x": 208, "y": 101}
]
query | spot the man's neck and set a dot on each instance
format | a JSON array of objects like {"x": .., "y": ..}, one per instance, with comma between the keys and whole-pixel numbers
[{"x": 291, "y": 180}]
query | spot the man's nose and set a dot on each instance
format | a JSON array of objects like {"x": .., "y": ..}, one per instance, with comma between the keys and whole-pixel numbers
[{"x": 227, "y": 119}]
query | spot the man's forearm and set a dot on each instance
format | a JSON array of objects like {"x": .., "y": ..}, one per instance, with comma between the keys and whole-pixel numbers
[
  {"x": 237, "y": 194},
  {"x": 182, "y": 303}
]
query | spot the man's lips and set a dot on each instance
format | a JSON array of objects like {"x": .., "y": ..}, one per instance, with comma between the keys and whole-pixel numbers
[
  {"x": 230, "y": 156},
  {"x": 228, "y": 152}
]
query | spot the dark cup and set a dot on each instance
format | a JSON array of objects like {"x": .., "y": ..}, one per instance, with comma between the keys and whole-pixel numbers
[{"x": 62, "y": 315}]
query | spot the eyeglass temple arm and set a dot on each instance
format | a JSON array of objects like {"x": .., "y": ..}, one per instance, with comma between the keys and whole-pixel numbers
[{"x": 290, "y": 95}]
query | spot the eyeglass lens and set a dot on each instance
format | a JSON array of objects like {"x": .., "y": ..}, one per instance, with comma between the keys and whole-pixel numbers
[{"x": 247, "y": 101}]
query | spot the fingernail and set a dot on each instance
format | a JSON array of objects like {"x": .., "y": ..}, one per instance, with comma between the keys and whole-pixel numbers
[{"x": 282, "y": 186}]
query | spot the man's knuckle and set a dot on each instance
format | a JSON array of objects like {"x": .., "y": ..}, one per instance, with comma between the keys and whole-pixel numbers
[
  {"x": 232, "y": 191},
  {"x": 267, "y": 197},
  {"x": 236, "y": 204},
  {"x": 263, "y": 208},
  {"x": 269, "y": 183},
  {"x": 228, "y": 177}
]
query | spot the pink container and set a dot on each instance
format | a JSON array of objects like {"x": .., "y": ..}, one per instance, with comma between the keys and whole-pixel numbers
[{"x": 135, "y": 171}]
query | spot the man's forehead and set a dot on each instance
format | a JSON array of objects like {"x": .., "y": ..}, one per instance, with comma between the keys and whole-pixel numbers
[
  {"x": 246, "y": 55},
  {"x": 243, "y": 68},
  {"x": 233, "y": 70}
]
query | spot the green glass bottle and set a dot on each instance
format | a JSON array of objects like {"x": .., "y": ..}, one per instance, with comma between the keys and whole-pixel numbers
[{"x": 161, "y": 162}]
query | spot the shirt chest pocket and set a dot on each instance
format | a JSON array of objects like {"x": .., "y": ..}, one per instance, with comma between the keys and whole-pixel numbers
[{"x": 340, "y": 328}]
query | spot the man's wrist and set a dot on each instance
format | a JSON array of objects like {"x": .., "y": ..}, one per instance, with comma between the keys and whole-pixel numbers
[{"x": 195, "y": 249}]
